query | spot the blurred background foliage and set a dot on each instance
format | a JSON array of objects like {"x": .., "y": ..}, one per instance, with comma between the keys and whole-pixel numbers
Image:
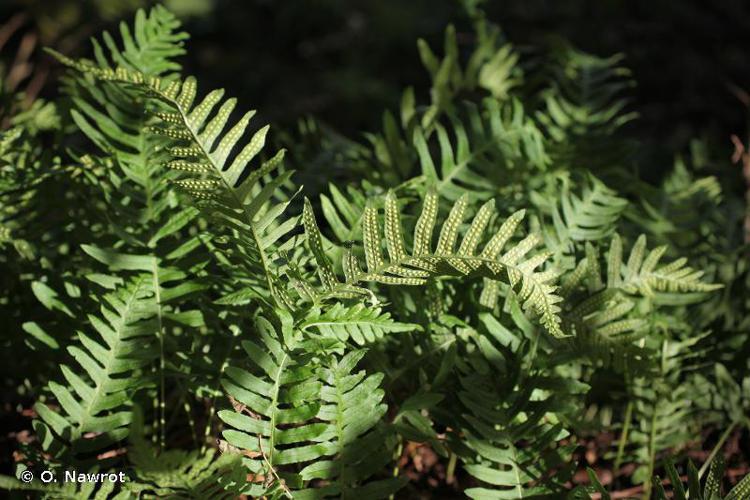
[{"x": 344, "y": 61}]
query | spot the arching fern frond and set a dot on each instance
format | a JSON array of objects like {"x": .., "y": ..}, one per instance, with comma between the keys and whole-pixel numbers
[
  {"x": 414, "y": 267},
  {"x": 216, "y": 167}
]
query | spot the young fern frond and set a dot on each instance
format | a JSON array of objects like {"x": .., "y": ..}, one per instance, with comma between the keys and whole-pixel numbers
[
  {"x": 357, "y": 323},
  {"x": 603, "y": 315},
  {"x": 96, "y": 398},
  {"x": 401, "y": 267},
  {"x": 639, "y": 275},
  {"x": 590, "y": 216}
]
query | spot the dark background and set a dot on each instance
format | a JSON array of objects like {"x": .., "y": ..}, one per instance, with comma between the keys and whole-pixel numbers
[{"x": 345, "y": 61}]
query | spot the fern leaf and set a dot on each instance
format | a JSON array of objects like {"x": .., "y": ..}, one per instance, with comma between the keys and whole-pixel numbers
[
  {"x": 177, "y": 473},
  {"x": 512, "y": 267},
  {"x": 233, "y": 193},
  {"x": 289, "y": 414},
  {"x": 359, "y": 323},
  {"x": 641, "y": 274},
  {"x": 96, "y": 397}
]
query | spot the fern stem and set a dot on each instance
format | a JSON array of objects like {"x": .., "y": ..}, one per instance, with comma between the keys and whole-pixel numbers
[
  {"x": 397, "y": 455},
  {"x": 451, "y": 470},
  {"x": 623, "y": 437},
  {"x": 162, "y": 360},
  {"x": 716, "y": 449},
  {"x": 191, "y": 421},
  {"x": 212, "y": 402},
  {"x": 648, "y": 484}
]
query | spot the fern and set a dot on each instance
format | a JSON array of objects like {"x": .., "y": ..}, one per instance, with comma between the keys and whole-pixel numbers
[
  {"x": 590, "y": 216},
  {"x": 96, "y": 398},
  {"x": 228, "y": 312},
  {"x": 513, "y": 459},
  {"x": 178, "y": 473},
  {"x": 232, "y": 194},
  {"x": 312, "y": 415},
  {"x": 499, "y": 143},
  {"x": 359, "y": 323},
  {"x": 402, "y": 268}
]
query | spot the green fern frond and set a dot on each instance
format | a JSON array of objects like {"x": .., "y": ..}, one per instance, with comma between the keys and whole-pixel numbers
[
  {"x": 640, "y": 274},
  {"x": 289, "y": 414},
  {"x": 359, "y": 445},
  {"x": 150, "y": 47},
  {"x": 586, "y": 95},
  {"x": 712, "y": 489},
  {"x": 495, "y": 145},
  {"x": 590, "y": 216},
  {"x": 361, "y": 324},
  {"x": 492, "y": 66},
  {"x": 234, "y": 195},
  {"x": 276, "y": 402},
  {"x": 177, "y": 473},
  {"x": 515, "y": 440},
  {"x": 422, "y": 262},
  {"x": 67, "y": 490},
  {"x": 96, "y": 398}
]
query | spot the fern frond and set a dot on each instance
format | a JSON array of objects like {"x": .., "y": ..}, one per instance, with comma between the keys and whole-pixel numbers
[
  {"x": 586, "y": 95},
  {"x": 422, "y": 262},
  {"x": 495, "y": 145},
  {"x": 640, "y": 274},
  {"x": 96, "y": 397},
  {"x": 232, "y": 193},
  {"x": 492, "y": 67},
  {"x": 359, "y": 323},
  {"x": 67, "y": 490},
  {"x": 178, "y": 473},
  {"x": 149, "y": 48},
  {"x": 590, "y": 216},
  {"x": 515, "y": 439},
  {"x": 276, "y": 402},
  {"x": 288, "y": 414},
  {"x": 359, "y": 446}
]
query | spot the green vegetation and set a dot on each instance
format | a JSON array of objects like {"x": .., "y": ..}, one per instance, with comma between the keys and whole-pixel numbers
[{"x": 488, "y": 276}]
